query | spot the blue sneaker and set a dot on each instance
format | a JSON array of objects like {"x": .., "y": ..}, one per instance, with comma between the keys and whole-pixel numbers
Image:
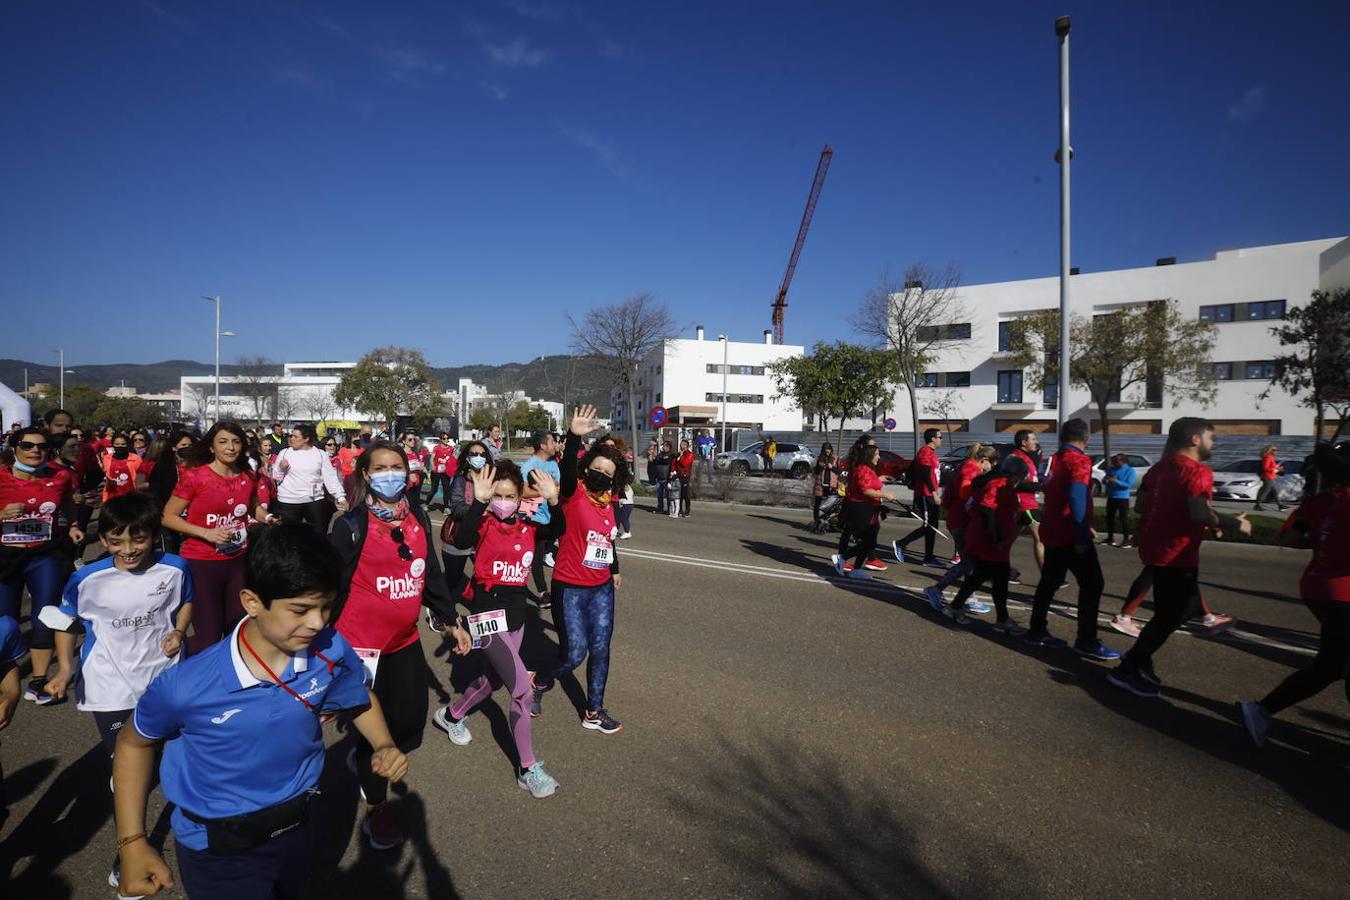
[
  {"x": 934, "y": 595},
  {"x": 1096, "y": 650},
  {"x": 1045, "y": 639},
  {"x": 838, "y": 562},
  {"x": 933, "y": 562},
  {"x": 977, "y": 608},
  {"x": 539, "y": 783},
  {"x": 898, "y": 550}
]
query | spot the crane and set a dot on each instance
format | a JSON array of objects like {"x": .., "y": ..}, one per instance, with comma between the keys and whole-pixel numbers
[{"x": 780, "y": 299}]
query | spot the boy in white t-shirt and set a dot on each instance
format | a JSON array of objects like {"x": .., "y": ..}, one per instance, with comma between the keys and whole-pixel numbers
[{"x": 135, "y": 606}]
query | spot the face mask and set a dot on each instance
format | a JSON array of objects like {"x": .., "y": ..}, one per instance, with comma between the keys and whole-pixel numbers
[
  {"x": 388, "y": 486},
  {"x": 504, "y": 509},
  {"x": 598, "y": 482},
  {"x": 121, "y": 452},
  {"x": 181, "y": 452},
  {"x": 24, "y": 467},
  {"x": 477, "y": 461},
  {"x": 332, "y": 451}
]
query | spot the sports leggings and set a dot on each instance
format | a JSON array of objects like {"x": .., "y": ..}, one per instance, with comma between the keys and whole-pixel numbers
[
  {"x": 585, "y": 630},
  {"x": 927, "y": 510},
  {"x": 982, "y": 570},
  {"x": 1176, "y": 592},
  {"x": 505, "y": 670},
  {"x": 401, "y": 688},
  {"x": 1087, "y": 571},
  {"x": 1142, "y": 584},
  {"x": 864, "y": 523},
  {"x": 1332, "y": 663},
  {"x": 45, "y": 575},
  {"x": 216, "y": 584}
]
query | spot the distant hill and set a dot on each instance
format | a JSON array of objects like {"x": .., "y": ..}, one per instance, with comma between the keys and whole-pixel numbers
[{"x": 559, "y": 378}]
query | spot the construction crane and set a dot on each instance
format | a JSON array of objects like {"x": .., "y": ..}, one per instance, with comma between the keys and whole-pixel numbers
[{"x": 780, "y": 300}]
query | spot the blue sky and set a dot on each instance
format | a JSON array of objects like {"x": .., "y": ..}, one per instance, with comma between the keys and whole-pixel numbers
[{"x": 457, "y": 176}]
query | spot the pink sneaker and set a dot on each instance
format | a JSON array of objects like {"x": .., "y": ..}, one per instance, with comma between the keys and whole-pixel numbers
[
  {"x": 1125, "y": 625},
  {"x": 1216, "y": 624}
]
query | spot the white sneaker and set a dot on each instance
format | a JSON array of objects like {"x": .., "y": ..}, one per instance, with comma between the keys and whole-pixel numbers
[
  {"x": 548, "y": 560},
  {"x": 838, "y": 562},
  {"x": 1256, "y": 719},
  {"x": 457, "y": 732},
  {"x": 1125, "y": 625},
  {"x": 625, "y": 535},
  {"x": 858, "y": 574}
]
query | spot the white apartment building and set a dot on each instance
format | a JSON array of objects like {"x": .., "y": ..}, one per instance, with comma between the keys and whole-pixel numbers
[
  {"x": 471, "y": 395},
  {"x": 303, "y": 393},
  {"x": 1243, "y": 291},
  {"x": 686, "y": 377}
]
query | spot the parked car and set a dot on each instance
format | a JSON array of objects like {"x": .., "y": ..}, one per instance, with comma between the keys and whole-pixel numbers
[
  {"x": 890, "y": 466},
  {"x": 795, "y": 460},
  {"x": 1140, "y": 464},
  {"x": 957, "y": 455},
  {"x": 1241, "y": 479}
]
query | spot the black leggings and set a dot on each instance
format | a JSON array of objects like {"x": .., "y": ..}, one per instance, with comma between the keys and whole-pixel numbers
[
  {"x": 542, "y": 549},
  {"x": 1087, "y": 571},
  {"x": 401, "y": 688},
  {"x": 685, "y": 496},
  {"x": 455, "y": 575},
  {"x": 865, "y": 523},
  {"x": 1176, "y": 594},
  {"x": 315, "y": 513},
  {"x": 1118, "y": 506},
  {"x": 926, "y": 508},
  {"x": 996, "y": 573},
  {"x": 1332, "y": 663},
  {"x": 216, "y": 584}
]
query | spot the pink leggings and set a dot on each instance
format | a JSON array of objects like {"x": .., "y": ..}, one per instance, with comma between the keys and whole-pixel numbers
[{"x": 506, "y": 669}]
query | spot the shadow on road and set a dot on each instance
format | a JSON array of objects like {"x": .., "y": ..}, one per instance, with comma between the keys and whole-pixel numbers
[{"x": 791, "y": 824}]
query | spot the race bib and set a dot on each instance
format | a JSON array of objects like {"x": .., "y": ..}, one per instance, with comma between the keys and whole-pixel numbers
[
  {"x": 486, "y": 624},
  {"x": 599, "y": 555},
  {"x": 316, "y": 490},
  {"x": 414, "y": 465},
  {"x": 370, "y": 661},
  {"x": 238, "y": 541},
  {"x": 29, "y": 529}
]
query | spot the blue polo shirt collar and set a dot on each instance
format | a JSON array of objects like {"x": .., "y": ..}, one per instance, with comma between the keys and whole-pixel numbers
[{"x": 240, "y": 672}]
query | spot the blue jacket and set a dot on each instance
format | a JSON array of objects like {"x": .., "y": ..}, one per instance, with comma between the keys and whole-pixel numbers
[{"x": 1125, "y": 478}]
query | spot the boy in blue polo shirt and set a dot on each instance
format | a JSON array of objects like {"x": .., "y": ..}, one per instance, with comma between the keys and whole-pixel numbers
[
  {"x": 242, "y": 737},
  {"x": 12, "y": 650}
]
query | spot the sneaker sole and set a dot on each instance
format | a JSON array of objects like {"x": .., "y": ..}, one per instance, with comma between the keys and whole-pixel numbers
[
  {"x": 1089, "y": 654},
  {"x": 438, "y": 723},
  {"x": 1134, "y": 632},
  {"x": 596, "y": 726},
  {"x": 1126, "y": 686},
  {"x": 525, "y": 787},
  {"x": 374, "y": 844}
]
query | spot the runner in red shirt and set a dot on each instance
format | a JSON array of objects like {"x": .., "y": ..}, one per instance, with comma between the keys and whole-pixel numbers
[
  {"x": 419, "y": 467},
  {"x": 1321, "y": 523},
  {"x": 210, "y": 504},
  {"x": 505, "y": 540},
  {"x": 994, "y": 508},
  {"x": 1028, "y": 448},
  {"x": 1070, "y": 545},
  {"x": 1174, "y": 514},
  {"x": 120, "y": 466},
  {"x": 37, "y": 526},
  {"x": 443, "y": 468},
  {"x": 862, "y": 511},
  {"x": 980, "y": 459},
  {"x": 924, "y": 472},
  {"x": 682, "y": 467},
  {"x": 586, "y": 576}
]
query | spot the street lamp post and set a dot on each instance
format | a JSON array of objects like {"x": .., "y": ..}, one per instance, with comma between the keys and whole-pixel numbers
[
  {"x": 722, "y": 447},
  {"x": 1065, "y": 155},
  {"x": 61, "y": 379},
  {"x": 219, "y": 334}
]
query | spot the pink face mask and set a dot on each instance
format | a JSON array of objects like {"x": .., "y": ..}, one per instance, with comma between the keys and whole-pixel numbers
[{"x": 504, "y": 509}]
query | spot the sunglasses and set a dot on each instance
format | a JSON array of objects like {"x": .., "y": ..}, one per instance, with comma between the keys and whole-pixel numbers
[
  {"x": 330, "y": 444},
  {"x": 33, "y": 445},
  {"x": 404, "y": 551}
]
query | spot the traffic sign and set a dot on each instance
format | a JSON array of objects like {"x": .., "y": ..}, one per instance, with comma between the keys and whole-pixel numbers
[
  {"x": 658, "y": 416},
  {"x": 890, "y": 424}
]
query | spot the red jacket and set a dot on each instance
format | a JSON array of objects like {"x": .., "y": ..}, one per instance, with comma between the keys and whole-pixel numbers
[{"x": 1269, "y": 467}]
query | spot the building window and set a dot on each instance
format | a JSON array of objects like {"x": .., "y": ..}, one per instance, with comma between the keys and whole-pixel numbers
[
  {"x": 927, "y": 380},
  {"x": 713, "y": 369},
  {"x": 711, "y": 397},
  {"x": 954, "y": 331},
  {"x": 1223, "y": 371},
  {"x": 1223, "y": 312},
  {"x": 1010, "y": 386},
  {"x": 1004, "y": 337},
  {"x": 1050, "y": 395},
  {"x": 957, "y": 380},
  {"x": 1261, "y": 371},
  {"x": 1266, "y": 309}
]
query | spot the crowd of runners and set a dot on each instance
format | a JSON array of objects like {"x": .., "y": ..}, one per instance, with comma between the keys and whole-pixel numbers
[{"x": 254, "y": 588}]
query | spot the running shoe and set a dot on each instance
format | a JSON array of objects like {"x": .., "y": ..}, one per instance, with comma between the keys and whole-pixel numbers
[
  {"x": 539, "y": 783},
  {"x": 380, "y": 826},
  {"x": 115, "y": 880},
  {"x": 1010, "y": 628},
  {"x": 933, "y": 562},
  {"x": 875, "y": 565},
  {"x": 36, "y": 692},
  {"x": 1096, "y": 650},
  {"x": 1216, "y": 624},
  {"x": 1126, "y": 545},
  {"x": 601, "y": 721},
  {"x": 1128, "y": 678},
  {"x": 1146, "y": 672},
  {"x": 956, "y": 559},
  {"x": 1125, "y": 625},
  {"x": 537, "y": 703},
  {"x": 1256, "y": 719},
  {"x": 545, "y": 601},
  {"x": 935, "y": 598},
  {"x": 625, "y": 535},
  {"x": 956, "y": 615},
  {"x": 838, "y": 562},
  {"x": 976, "y": 607},
  {"x": 548, "y": 560},
  {"x": 898, "y": 550},
  {"x": 1014, "y": 577},
  {"x": 858, "y": 574},
  {"x": 456, "y": 731},
  {"x": 1045, "y": 639}
]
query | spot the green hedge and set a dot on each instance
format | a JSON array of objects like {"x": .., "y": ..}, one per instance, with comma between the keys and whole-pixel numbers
[{"x": 1264, "y": 528}]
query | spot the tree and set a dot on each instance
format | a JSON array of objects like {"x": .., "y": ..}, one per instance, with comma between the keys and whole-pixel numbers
[
  {"x": 528, "y": 418},
  {"x": 389, "y": 382},
  {"x": 126, "y": 413},
  {"x": 481, "y": 419},
  {"x": 620, "y": 336},
  {"x": 942, "y": 406},
  {"x": 81, "y": 402},
  {"x": 837, "y": 380},
  {"x": 256, "y": 381},
  {"x": 1316, "y": 363},
  {"x": 574, "y": 378},
  {"x": 286, "y": 404},
  {"x": 318, "y": 404},
  {"x": 1110, "y": 353},
  {"x": 197, "y": 402},
  {"x": 914, "y": 320}
]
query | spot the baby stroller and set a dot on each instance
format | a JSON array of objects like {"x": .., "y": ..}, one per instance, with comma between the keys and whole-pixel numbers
[{"x": 830, "y": 507}]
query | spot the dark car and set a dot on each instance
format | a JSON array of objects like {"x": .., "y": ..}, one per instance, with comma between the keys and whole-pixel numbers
[{"x": 890, "y": 465}]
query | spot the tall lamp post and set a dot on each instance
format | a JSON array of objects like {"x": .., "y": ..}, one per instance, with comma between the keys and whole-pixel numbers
[
  {"x": 1064, "y": 156},
  {"x": 722, "y": 447},
  {"x": 219, "y": 334},
  {"x": 61, "y": 379}
]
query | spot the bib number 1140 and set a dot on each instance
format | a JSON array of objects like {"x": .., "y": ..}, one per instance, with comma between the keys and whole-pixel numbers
[{"x": 486, "y": 624}]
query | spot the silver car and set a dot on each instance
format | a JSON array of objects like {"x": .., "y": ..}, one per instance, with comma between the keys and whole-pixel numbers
[
  {"x": 795, "y": 460},
  {"x": 1241, "y": 480}
]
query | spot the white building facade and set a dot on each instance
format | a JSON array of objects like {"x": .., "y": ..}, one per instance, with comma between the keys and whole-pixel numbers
[
  {"x": 302, "y": 393},
  {"x": 1244, "y": 292},
  {"x": 686, "y": 377}
]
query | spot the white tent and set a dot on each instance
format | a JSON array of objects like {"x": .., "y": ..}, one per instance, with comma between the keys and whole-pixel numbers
[{"x": 14, "y": 408}]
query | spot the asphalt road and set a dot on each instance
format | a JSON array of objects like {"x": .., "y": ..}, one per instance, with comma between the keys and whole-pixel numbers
[{"x": 788, "y": 733}]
